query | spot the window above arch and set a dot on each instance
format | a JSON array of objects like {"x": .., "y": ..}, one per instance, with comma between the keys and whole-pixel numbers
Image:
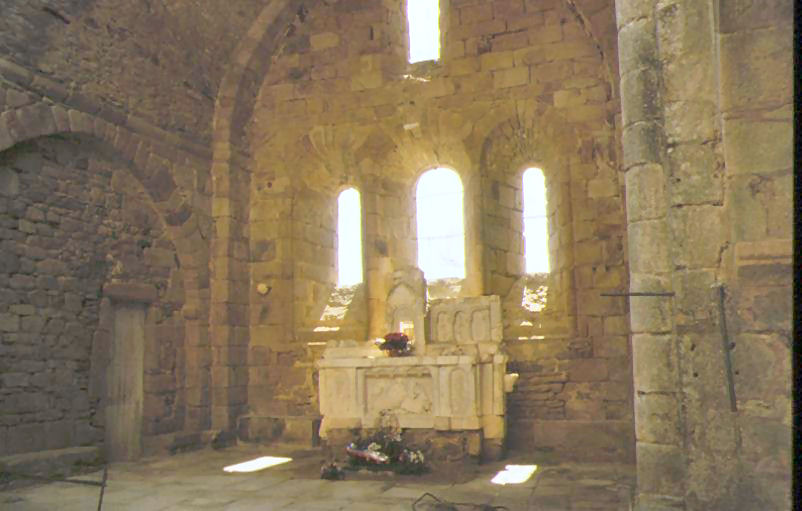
[
  {"x": 440, "y": 221},
  {"x": 423, "y": 19},
  {"x": 349, "y": 238}
]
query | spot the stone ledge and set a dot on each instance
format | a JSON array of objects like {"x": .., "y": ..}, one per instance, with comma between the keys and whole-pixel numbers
[
  {"x": 130, "y": 292},
  {"x": 51, "y": 463},
  {"x": 303, "y": 430},
  {"x": 175, "y": 443}
]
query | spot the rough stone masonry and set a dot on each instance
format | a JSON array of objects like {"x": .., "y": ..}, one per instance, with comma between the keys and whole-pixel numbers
[{"x": 187, "y": 157}]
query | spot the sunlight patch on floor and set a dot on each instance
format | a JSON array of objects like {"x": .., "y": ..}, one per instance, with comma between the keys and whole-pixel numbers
[
  {"x": 256, "y": 464},
  {"x": 514, "y": 474}
]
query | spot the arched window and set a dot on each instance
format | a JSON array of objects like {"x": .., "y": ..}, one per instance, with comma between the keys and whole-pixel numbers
[
  {"x": 441, "y": 232},
  {"x": 423, "y": 18},
  {"x": 536, "y": 227},
  {"x": 349, "y": 238}
]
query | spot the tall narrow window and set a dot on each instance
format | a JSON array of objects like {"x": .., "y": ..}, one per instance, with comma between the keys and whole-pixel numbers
[
  {"x": 349, "y": 238},
  {"x": 441, "y": 234},
  {"x": 423, "y": 17},
  {"x": 536, "y": 227}
]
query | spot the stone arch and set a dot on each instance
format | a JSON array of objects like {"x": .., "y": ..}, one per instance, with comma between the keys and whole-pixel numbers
[
  {"x": 530, "y": 134},
  {"x": 438, "y": 139},
  {"x": 250, "y": 62},
  {"x": 153, "y": 172},
  {"x": 231, "y": 191},
  {"x": 597, "y": 19},
  {"x": 340, "y": 152},
  {"x": 523, "y": 136},
  {"x": 144, "y": 157}
]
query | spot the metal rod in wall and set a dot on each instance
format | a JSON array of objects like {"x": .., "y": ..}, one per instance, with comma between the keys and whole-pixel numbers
[
  {"x": 722, "y": 321},
  {"x": 640, "y": 293}
]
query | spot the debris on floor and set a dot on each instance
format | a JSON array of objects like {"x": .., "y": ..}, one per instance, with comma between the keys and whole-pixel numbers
[{"x": 429, "y": 502}]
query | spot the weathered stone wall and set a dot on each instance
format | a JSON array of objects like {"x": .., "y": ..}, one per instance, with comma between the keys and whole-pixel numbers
[
  {"x": 519, "y": 84},
  {"x": 755, "y": 44},
  {"x": 706, "y": 95},
  {"x": 174, "y": 174},
  {"x": 161, "y": 61},
  {"x": 72, "y": 221},
  {"x": 706, "y": 135}
]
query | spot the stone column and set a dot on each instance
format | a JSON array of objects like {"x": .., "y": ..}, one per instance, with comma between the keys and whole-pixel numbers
[
  {"x": 378, "y": 265},
  {"x": 658, "y": 421},
  {"x": 229, "y": 294},
  {"x": 688, "y": 438}
]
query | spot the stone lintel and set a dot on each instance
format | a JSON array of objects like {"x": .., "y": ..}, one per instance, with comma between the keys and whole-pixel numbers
[{"x": 130, "y": 292}]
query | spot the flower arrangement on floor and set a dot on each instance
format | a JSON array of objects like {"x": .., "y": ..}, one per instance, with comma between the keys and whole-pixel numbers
[
  {"x": 395, "y": 344},
  {"x": 332, "y": 471},
  {"x": 385, "y": 450}
]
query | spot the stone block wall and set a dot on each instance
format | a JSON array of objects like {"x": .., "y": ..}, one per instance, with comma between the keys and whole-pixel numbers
[
  {"x": 756, "y": 76},
  {"x": 175, "y": 56},
  {"x": 572, "y": 398},
  {"x": 519, "y": 84},
  {"x": 708, "y": 171},
  {"x": 122, "y": 201},
  {"x": 316, "y": 96},
  {"x": 73, "y": 220}
]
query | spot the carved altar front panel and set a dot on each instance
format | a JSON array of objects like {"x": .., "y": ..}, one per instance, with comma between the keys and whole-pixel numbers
[
  {"x": 446, "y": 392},
  {"x": 405, "y": 392}
]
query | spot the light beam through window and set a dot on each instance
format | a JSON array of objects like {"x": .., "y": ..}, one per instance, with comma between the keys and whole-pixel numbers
[
  {"x": 441, "y": 233},
  {"x": 423, "y": 17},
  {"x": 349, "y": 238},
  {"x": 536, "y": 226}
]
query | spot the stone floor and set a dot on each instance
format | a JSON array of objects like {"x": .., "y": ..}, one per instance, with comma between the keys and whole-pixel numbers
[{"x": 196, "y": 481}]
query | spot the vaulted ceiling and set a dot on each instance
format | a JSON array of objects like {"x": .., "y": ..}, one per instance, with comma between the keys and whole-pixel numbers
[{"x": 165, "y": 60}]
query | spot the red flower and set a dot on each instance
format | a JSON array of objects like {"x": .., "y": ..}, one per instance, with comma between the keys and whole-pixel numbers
[{"x": 394, "y": 341}]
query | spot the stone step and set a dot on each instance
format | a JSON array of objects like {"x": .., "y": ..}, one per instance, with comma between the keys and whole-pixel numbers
[{"x": 300, "y": 430}]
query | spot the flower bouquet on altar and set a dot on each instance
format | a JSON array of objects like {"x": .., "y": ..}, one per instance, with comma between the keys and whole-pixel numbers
[{"x": 395, "y": 344}]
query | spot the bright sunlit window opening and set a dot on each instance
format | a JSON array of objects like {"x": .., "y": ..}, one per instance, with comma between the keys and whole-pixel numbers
[
  {"x": 423, "y": 17},
  {"x": 536, "y": 226},
  {"x": 257, "y": 464},
  {"x": 441, "y": 235},
  {"x": 349, "y": 238},
  {"x": 514, "y": 474}
]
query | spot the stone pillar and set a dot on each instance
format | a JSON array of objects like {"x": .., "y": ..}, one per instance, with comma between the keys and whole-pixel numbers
[
  {"x": 378, "y": 264},
  {"x": 229, "y": 294},
  {"x": 688, "y": 168},
  {"x": 658, "y": 422},
  {"x": 389, "y": 244}
]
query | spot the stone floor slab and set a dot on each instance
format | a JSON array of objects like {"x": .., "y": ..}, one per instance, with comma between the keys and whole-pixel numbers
[{"x": 196, "y": 481}]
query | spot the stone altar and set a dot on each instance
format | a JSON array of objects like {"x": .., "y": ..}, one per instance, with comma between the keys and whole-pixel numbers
[{"x": 454, "y": 381}]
